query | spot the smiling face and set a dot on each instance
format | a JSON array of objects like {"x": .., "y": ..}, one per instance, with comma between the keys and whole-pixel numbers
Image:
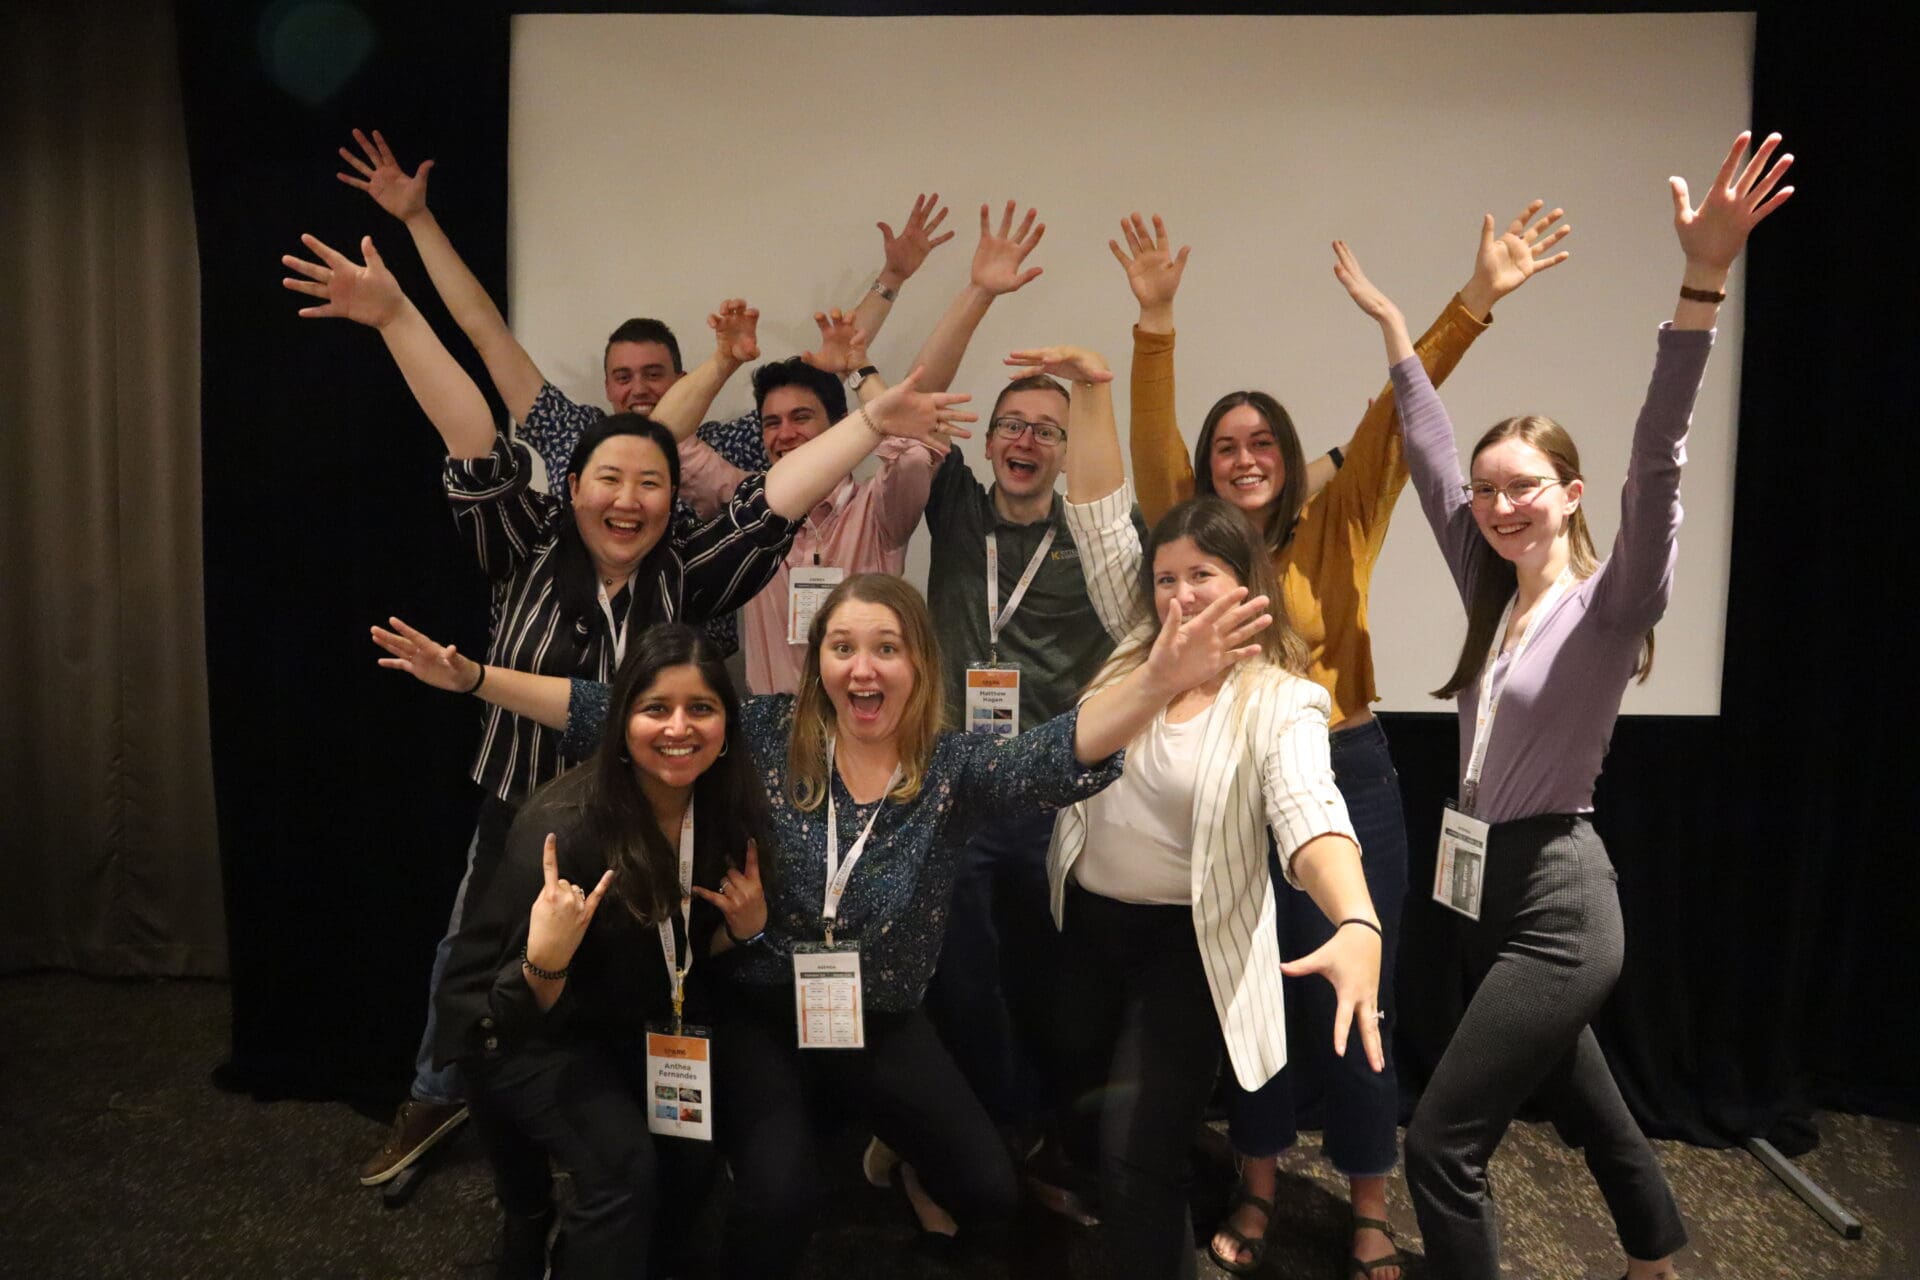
[
  {"x": 1023, "y": 467},
  {"x": 789, "y": 417},
  {"x": 622, "y": 501},
  {"x": 1183, "y": 572},
  {"x": 866, "y": 670},
  {"x": 1527, "y": 533},
  {"x": 638, "y": 374},
  {"x": 1245, "y": 460},
  {"x": 676, "y": 728}
]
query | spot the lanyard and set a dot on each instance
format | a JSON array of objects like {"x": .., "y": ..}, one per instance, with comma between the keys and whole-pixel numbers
[
  {"x": 996, "y": 616},
  {"x": 839, "y": 871},
  {"x": 667, "y": 947},
  {"x": 1490, "y": 696},
  {"x": 616, "y": 627}
]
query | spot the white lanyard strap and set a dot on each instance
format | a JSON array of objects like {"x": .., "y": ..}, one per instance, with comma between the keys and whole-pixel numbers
[
  {"x": 996, "y": 616},
  {"x": 1489, "y": 695},
  {"x": 615, "y": 626},
  {"x": 667, "y": 945},
  {"x": 840, "y": 871}
]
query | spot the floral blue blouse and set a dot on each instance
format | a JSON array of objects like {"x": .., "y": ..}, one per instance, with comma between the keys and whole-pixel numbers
[{"x": 897, "y": 899}]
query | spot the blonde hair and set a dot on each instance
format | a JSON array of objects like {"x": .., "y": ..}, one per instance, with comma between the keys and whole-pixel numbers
[{"x": 808, "y": 767}]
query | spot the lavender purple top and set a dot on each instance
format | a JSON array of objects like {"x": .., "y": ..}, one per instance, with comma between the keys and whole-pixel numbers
[{"x": 1558, "y": 705}]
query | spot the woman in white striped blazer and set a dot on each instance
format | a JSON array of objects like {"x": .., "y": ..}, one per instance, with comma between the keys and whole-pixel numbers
[{"x": 1160, "y": 885}]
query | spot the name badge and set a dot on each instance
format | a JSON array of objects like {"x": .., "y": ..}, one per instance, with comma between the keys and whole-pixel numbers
[
  {"x": 680, "y": 1082},
  {"x": 807, "y": 590},
  {"x": 827, "y": 1012},
  {"x": 1461, "y": 869},
  {"x": 993, "y": 699}
]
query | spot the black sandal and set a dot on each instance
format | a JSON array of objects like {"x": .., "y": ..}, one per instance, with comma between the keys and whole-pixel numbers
[
  {"x": 1256, "y": 1247},
  {"x": 1365, "y": 1269}
]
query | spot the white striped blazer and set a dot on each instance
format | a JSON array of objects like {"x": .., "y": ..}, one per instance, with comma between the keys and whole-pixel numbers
[{"x": 1264, "y": 763}]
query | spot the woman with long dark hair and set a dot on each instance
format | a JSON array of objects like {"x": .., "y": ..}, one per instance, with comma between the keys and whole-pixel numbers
[
  {"x": 1324, "y": 536},
  {"x": 649, "y": 848},
  {"x": 1554, "y": 635},
  {"x": 1160, "y": 884}
]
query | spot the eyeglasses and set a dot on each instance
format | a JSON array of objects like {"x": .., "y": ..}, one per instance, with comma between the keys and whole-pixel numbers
[
  {"x": 1010, "y": 427},
  {"x": 1520, "y": 490}
]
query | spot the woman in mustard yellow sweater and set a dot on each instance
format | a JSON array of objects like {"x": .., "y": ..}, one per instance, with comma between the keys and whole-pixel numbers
[{"x": 1324, "y": 542}]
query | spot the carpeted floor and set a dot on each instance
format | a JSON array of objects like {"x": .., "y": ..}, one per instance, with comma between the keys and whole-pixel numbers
[{"x": 121, "y": 1160}]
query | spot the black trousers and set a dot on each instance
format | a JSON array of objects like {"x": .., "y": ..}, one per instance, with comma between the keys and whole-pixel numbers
[
  {"x": 774, "y": 1100},
  {"x": 584, "y": 1104},
  {"x": 1542, "y": 957},
  {"x": 1142, "y": 1044}
]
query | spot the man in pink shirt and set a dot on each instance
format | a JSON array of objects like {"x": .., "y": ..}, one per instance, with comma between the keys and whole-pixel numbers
[{"x": 862, "y": 526}]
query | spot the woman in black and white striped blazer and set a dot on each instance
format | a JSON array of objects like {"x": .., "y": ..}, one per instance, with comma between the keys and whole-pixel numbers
[{"x": 1160, "y": 885}]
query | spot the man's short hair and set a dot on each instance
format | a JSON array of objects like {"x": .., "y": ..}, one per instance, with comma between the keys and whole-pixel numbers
[
  {"x": 1030, "y": 382},
  {"x": 641, "y": 329},
  {"x": 795, "y": 372}
]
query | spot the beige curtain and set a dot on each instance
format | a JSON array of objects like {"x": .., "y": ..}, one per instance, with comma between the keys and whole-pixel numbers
[{"x": 109, "y": 861}]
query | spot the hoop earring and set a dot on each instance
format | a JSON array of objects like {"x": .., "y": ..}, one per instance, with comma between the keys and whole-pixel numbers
[{"x": 723, "y": 747}]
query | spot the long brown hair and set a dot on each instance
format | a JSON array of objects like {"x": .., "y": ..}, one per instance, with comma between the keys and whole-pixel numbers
[
  {"x": 1276, "y": 522},
  {"x": 1219, "y": 529},
  {"x": 808, "y": 768},
  {"x": 730, "y": 804},
  {"x": 1494, "y": 578}
]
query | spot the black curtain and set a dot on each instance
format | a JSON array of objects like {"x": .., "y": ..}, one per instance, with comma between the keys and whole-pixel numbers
[{"x": 1761, "y": 853}]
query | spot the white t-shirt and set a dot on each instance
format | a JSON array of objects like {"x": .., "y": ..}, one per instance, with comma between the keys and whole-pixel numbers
[{"x": 1139, "y": 844}]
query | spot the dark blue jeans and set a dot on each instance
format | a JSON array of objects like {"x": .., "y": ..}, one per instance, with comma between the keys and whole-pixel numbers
[
  {"x": 989, "y": 998},
  {"x": 1359, "y": 1106}
]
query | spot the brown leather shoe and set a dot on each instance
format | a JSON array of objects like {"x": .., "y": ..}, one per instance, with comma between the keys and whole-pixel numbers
[{"x": 416, "y": 1127}]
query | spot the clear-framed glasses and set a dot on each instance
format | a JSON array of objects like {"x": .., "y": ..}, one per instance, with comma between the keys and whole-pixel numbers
[
  {"x": 1010, "y": 427},
  {"x": 1520, "y": 490}
]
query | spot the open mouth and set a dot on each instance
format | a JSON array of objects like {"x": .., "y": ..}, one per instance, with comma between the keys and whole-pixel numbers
[
  {"x": 676, "y": 753},
  {"x": 1251, "y": 481},
  {"x": 624, "y": 530},
  {"x": 1509, "y": 530},
  {"x": 865, "y": 704},
  {"x": 1022, "y": 468}
]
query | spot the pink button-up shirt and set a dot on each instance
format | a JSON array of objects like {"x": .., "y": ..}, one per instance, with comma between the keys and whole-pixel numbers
[{"x": 862, "y": 527}]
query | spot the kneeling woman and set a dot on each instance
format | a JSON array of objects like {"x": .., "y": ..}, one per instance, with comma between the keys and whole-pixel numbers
[
  {"x": 553, "y": 1003},
  {"x": 1160, "y": 883}
]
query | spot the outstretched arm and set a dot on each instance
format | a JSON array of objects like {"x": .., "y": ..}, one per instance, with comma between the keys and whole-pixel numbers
[
  {"x": 442, "y": 666},
  {"x": 1094, "y": 466},
  {"x": 1186, "y": 652},
  {"x": 370, "y": 295},
  {"x": 735, "y": 341},
  {"x": 904, "y": 255},
  {"x": 798, "y": 482},
  {"x": 996, "y": 270},
  {"x": 1162, "y": 470},
  {"x": 1713, "y": 235},
  {"x": 378, "y": 173}
]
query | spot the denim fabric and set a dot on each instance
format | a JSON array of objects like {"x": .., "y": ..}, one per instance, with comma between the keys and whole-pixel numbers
[
  {"x": 989, "y": 995},
  {"x": 1358, "y": 1106}
]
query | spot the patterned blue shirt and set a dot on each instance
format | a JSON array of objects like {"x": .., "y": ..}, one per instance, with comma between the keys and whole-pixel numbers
[
  {"x": 901, "y": 889},
  {"x": 555, "y": 424}
]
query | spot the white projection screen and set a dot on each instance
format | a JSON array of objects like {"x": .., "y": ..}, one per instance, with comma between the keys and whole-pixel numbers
[{"x": 660, "y": 163}]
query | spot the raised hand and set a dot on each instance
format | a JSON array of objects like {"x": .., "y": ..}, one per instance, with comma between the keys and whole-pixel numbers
[
  {"x": 740, "y": 898},
  {"x": 1153, "y": 270},
  {"x": 1192, "y": 651},
  {"x": 927, "y": 416},
  {"x": 1713, "y": 235},
  {"x": 1350, "y": 961},
  {"x": 1346, "y": 269},
  {"x": 736, "y": 331},
  {"x": 1506, "y": 261},
  {"x": 843, "y": 344},
  {"x": 997, "y": 258},
  {"x": 401, "y": 194},
  {"x": 561, "y": 914},
  {"x": 367, "y": 294},
  {"x": 906, "y": 251},
  {"x": 425, "y": 659},
  {"x": 1075, "y": 364}
]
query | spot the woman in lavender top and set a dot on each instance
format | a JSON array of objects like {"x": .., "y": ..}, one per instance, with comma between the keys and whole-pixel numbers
[{"x": 1545, "y": 948}]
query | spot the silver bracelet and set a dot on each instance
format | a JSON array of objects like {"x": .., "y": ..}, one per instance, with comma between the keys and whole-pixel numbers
[{"x": 891, "y": 295}]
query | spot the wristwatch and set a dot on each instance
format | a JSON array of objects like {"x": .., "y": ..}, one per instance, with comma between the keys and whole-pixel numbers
[{"x": 859, "y": 376}]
